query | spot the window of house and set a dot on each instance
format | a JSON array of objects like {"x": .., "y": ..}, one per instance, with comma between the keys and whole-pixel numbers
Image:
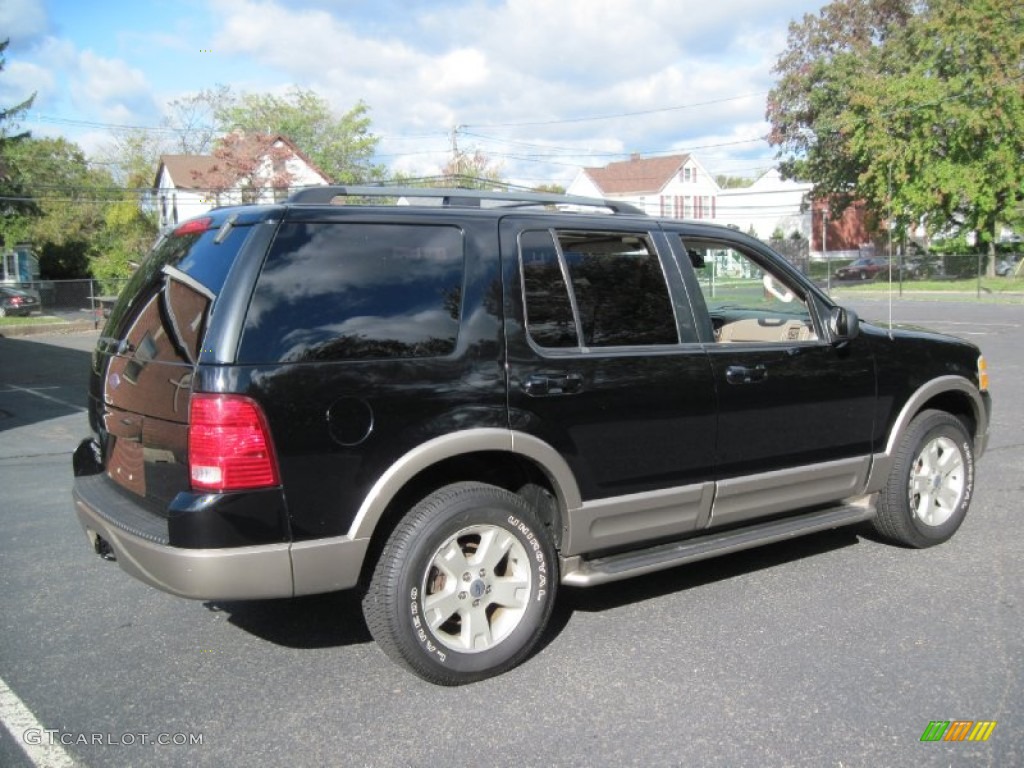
[{"x": 617, "y": 295}]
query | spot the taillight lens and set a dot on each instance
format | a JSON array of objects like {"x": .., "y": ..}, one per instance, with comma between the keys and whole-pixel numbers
[{"x": 229, "y": 445}]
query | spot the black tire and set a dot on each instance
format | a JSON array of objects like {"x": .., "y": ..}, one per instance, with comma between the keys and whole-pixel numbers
[
  {"x": 468, "y": 560},
  {"x": 931, "y": 483}
]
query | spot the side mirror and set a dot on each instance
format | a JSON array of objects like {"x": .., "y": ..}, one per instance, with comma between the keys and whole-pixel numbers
[{"x": 843, "y": 325}]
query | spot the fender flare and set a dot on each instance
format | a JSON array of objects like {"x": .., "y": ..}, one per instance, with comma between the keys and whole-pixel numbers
[{"x": 462, "y": 443}]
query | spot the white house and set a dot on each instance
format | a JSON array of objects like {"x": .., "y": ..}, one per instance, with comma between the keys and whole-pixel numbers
[
  {"x": 769, "y": 204},
  {"x": 675, "y": 186},
  {"x": 183, "y": 188}
]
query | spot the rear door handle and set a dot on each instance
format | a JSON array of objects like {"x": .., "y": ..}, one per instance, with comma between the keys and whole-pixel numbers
[
  {"x": 541, "y": 384},
  {"x": 741, "y": 374}
]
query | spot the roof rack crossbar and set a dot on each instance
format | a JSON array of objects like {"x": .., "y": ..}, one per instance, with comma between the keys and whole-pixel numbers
[{"x": 455, "y": 197}]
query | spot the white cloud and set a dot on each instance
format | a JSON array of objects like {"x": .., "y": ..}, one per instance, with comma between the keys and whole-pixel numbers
[
  {"x": 21, "y": 79},
  {"x": 104, "y": 82},
  {"x": 489, "y": 65},
  {"x": 22, "y": 21}
]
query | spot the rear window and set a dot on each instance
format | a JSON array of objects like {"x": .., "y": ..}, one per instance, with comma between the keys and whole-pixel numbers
[
  {"x": 343, "y": 291},
  {"x": 194, "y": 258}
]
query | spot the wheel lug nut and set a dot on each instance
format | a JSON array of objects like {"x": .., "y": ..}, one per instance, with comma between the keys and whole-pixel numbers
[
  {"x": 462, "y": 595},
  {"x": 466, "y": 576},
  {"x": 483, "y": 572},
  {"x": 476, "y": 603}
]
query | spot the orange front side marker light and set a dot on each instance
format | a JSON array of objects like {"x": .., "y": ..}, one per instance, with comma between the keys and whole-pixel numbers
[{"x": 982, "y": 374}]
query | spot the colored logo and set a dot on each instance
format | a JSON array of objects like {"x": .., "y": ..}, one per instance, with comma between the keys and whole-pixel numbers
[{"x": 958, "y": 730}]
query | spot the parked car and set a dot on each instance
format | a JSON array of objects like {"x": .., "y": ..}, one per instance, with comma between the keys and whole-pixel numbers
[
  {"x": 862, "y": 269},
  {"x": 1008, "y": 264},
  {"x": 14, "y": 302},
  {"x": 456, "y": 408}
]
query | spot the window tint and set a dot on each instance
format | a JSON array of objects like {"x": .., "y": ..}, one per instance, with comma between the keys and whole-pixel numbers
[
  {"x": 746, "y": 301},
  {"x": 619, "y": 290},
  {"x": 549, "y": 318},
  {"x": 196, "y": 254},
  {"x": 356, "y": 292}
]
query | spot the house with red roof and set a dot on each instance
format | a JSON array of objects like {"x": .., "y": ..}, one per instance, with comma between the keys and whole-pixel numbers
[
  {"x": 675, "y": 186},
  {"x": 243, "y": 169}
]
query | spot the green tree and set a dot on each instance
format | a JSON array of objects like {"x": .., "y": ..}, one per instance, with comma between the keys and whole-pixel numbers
[
  {"x": 70, "y": 199},
  {"x": 126, "y": 236},
  {"x": 189, "y": 127},
  {"x": 342, "y": 147},
  {"x": 914, "y": 107},
  {"x": 13, "y": 197},
  {"x": 471, "y": 170},
  {"x": 732, "y": 182}
]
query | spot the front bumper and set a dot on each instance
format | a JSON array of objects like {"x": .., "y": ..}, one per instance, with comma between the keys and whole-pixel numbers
[{"x": 139, "y": 543}]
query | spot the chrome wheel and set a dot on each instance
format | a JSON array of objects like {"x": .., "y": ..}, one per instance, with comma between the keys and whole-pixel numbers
[
  {"x": 476, "y": 588},
  {"x": 937, "y": 481}
]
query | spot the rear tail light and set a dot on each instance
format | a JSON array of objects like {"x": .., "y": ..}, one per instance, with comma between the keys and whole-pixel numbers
[{"x": 229, "y": 445}]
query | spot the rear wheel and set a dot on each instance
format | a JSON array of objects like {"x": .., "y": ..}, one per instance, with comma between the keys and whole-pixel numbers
[
  {"x": 931, "y": 482},
  {"x": 465, "y": 585}
]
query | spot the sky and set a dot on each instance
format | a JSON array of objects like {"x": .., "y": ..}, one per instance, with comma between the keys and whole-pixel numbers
[{"x": 542, "y": 87}]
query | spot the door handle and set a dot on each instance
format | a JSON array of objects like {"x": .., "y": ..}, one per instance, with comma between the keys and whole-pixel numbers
[
  {"x": 741, "y": 374},
  {"x": 540, "y": 384}
]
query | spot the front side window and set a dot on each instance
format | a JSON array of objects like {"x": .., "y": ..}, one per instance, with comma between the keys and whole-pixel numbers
[
  {"x": 748, "y": 302},
  {"x": 339, "y": 291},
  {"x": 617, "y": 295}
]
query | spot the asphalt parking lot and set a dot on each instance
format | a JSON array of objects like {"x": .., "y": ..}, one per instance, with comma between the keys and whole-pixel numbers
[{"x": 831, "y": 650}]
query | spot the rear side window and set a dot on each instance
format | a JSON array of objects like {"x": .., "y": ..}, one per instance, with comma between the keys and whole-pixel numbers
[
  {"x": 340, "y": 291},
  {"x": 618, "y": 296},
  {"x": 195, "y": 258}
]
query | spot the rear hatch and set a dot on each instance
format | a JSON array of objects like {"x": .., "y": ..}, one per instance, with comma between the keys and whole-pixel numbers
[{"x": 146, "y": 358}]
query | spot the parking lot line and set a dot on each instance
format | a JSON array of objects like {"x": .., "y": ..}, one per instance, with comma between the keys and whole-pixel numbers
[
  {"x": 29, "y": 734},
  {"x": 51, "y": 398}
]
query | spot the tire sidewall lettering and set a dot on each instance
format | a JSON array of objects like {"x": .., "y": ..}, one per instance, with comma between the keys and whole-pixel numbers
[{"x": 537, "y": 561}]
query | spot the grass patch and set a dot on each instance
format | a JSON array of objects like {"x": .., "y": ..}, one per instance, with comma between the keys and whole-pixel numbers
[
  {"x": 30, "y": 320},
  {"x": 989, "y": 285}
]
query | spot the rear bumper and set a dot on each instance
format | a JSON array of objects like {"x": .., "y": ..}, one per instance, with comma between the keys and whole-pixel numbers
[{"x": 231, "y": 573}]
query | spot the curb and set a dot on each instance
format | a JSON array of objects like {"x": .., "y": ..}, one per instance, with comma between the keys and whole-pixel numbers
[{"x": 75, "y": 326}]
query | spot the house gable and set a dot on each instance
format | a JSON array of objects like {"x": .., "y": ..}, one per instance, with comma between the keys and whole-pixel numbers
[{"x": 182, "y": 192}]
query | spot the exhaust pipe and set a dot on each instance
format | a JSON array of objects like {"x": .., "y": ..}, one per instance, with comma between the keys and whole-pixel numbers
[{"x": 103, "y": 549}]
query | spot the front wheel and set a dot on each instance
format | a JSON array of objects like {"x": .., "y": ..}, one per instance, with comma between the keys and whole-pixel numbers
[
  {"x": 931, "y": 482},
  {"x": 465, "y": 585}
]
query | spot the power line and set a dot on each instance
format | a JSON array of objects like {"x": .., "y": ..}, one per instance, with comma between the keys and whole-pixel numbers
[{"x": 617, "y": 115}]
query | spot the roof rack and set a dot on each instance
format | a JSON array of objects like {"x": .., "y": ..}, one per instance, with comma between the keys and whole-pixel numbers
[{"x": 454, "y": 197}]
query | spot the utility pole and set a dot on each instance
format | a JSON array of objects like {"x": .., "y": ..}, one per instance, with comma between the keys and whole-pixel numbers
[
  {"x": 454, "y": 165},
  {"x": 824, "y": 249}
]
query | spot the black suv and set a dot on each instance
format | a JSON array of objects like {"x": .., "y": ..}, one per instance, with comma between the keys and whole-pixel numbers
[{"x": 462, "y": 401}]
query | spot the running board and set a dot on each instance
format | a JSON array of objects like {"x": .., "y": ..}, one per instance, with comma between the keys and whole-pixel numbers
[{"x": 577, "y": 572}]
